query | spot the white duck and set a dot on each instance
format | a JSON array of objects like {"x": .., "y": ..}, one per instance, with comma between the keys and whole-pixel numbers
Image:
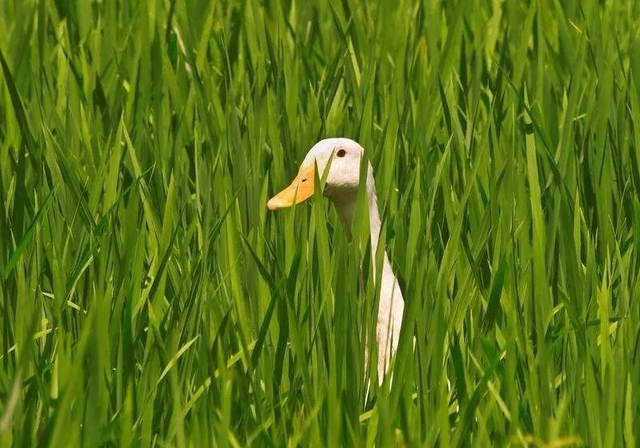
[{"x": 341, "y": 188}]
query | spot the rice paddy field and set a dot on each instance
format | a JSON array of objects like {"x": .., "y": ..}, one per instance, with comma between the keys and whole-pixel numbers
[{"x": 149, "y": 298}]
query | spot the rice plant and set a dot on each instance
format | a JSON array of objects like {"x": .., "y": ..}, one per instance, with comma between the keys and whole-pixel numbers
[{"x": 148, "y": 297}]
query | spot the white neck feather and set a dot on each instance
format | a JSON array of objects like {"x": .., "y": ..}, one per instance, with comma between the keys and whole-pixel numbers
[{"x": 391, "y": 307}]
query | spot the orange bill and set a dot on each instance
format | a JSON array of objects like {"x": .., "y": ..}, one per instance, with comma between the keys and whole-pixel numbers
[{"x": 298, "y": 191}]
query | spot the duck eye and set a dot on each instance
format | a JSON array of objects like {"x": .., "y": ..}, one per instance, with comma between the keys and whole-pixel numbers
[
  {"x": 341, "y": 153},
  {"x": 304, "y": 180}
]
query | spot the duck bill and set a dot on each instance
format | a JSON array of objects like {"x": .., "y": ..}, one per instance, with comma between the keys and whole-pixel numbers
[{"x": 298, "y": 191}]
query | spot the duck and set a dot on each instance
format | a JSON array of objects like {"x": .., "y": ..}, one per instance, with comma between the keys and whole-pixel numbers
[{"x": 342, "y": 158}]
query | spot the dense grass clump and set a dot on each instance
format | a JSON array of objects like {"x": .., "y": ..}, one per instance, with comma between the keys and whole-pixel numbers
[{"x": 148, "y": 298}]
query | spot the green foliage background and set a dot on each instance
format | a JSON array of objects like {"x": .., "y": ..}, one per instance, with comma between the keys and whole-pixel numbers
[{"x": 148, "y": 298}]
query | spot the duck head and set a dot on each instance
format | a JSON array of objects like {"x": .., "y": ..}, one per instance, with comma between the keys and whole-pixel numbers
[{"x": 342, "y": 158}]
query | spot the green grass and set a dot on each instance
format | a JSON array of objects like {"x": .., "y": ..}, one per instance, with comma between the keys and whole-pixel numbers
[{"x": 148, "y": 298}]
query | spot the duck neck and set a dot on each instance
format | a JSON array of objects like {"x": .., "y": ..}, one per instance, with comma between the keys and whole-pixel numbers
[
  {"x": 374, "y": 227},
  {"x": 391, "y": 304},
  {"x": 347, "y": 210}
]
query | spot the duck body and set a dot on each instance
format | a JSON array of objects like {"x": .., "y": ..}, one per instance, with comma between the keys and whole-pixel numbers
[{"x": 342, "y": 157}]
